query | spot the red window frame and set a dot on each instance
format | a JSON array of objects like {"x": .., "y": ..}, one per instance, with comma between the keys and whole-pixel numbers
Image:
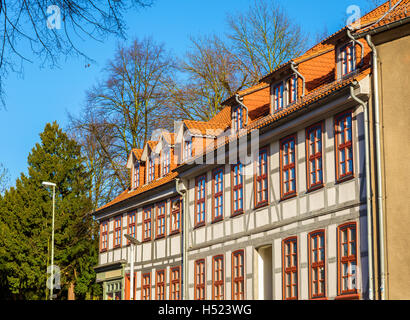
[
  {"x": 218, "y": 277},
  {"x": 314, "y": 156},
  {"x": 160, "y": 220},
  {"x": 160, "y": 280},
  {"x": 136, "y": 174},
  {"x": 117, "y": 232},
  {"x": 127, "y": 289},
  {"x": 347, "y": 256},
  {"x": 287, "y": 167},
  {"x": 175, "y": 283},
  {"x": 166, "y": 160},
  {"x": 347, "y": 57},
  {"x": 344, "y": 146},
  {"x": 317, "y": 264},
  {"x": 278, "y": 97},
  {"x": 200, "y": 201},
  {"x": 292, "y": 89},
  {"x": 217, "y": 194},
  {"x": 237, "y": 189},
  {"x": 238, "y": 118},
  {"x": 290, "y": 271},
  {"x": 151, "y": 169},
  {"x": 131, "y": 229},
  {"x": 200, "y": 280},
  {"x": 146, "y": 223},
  {"x": 175, "y": 217},
  {"x": 104, "y": 236},
  {"x": 238, "y": 275},
  {"x": 261, "y": 178},
  {"x": 146, "y": 286}
]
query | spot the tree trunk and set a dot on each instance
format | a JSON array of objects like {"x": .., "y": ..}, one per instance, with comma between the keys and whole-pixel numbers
[{"x": 71, "y": 294}]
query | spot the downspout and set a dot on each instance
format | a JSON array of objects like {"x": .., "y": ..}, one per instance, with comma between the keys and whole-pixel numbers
[
  {"x": 292, "y": 66},
  {"x": 238, "y": 99},
  {"x": 378, "y": 166},
  {"x": 184, "y": 246},
  {"x": 368, "y": 190},
  {"x": 349, "y": 34}
]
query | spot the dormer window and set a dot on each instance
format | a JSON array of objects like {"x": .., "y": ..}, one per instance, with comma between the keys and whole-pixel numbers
[
  {"x": 165, "y": 161},
  {"x": 347, "y": 59},
  {"x": 135, "y": 176},
  {"x": 278, "y": 97},
  {"x": 237, "y": 118}
]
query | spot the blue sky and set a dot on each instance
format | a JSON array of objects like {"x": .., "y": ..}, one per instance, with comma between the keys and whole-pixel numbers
[{"x": 42, "y": 95}]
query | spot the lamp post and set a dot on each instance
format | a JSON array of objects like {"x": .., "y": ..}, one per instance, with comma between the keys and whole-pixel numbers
[
  {"x": 50, "y": 184},
  {"x": 134, "y": 242}
]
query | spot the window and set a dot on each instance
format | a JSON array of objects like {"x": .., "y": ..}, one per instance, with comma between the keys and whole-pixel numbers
[
  {"x": 160, "y": 285},
  {"x": 200, "y": 279},
  {"x": 290, "y": 269},
  {"x": 347, "y": 59},
  {"x": 175, "y": 283},
  {"x": 344, "y": 146},
  {"x": 314, "y": 156},
  {"x": 262, "y": 178},
  {"x": 146, "y": 286},
  {"x": 217, "y": 191},
  {"x": 160, "y": 221},
  {"x": 104, "y": 236},
  {"x": 151, "y": 168},
  {"x": 347, "y": 259},
  {"x": 238, "y": 275},
  {"x": 117, "y": 232},
  {"x": 131, "y": 225},
  {"x": 317, "y": 266},
  {"x": 218, "y": 278},
  {"x": 166, "y": 160},
  {"x": 146, "y": 225},
  {"x": 136, "y": 176},
  {"x": 188, "y": 149},
  {"x": 237, "y": 118},
  {"x": 200, "y": 201},
  {"x": 292, "y": 89},
  {"x": 278, "y": 97},
  {"x": 175, "y": 226},
  {"x": 114, "y": 290},
  {"x": 288, "y": 167},
  {"x": 127, "y": 289},
  {"x": 237, "y": 189}
]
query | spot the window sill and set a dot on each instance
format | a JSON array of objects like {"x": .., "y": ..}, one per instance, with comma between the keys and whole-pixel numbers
[
  {"x": 160, "y": 237},
  {"x": 345, "y": 178},
  {"x": 237, "y": 213},
  {"x": 288, "y": 196},
  {"x": 117, "y": 246},
  {"x": 261, "y": 205},
  {"x": 319, "y": 298},
  {"x": 349, "y": 296},
  {"x": 174, "y": 232},
  {"x": 201, "y": 224},
  {"x": 146, "y": 240},
  {"x": 217, "y": 219},
  {"x": 315, "y": 187},
  {"x": 103, "y": 250}
]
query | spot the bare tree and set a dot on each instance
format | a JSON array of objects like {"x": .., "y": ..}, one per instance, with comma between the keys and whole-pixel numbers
[
  {"x": 45, "y": 29},
  {"x": 258, "y": 40},
  {"x": 212, "y": 75},
  {"x": 264, "y": 37},
  {"x": 122, "y": 111}
]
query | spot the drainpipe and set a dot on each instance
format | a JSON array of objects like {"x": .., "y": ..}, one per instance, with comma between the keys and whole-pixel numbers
[
  {"x": 368, "y": 190},
  {"x": 184, "y": 242},
  {"x": 379, "y": 167},
  {"x": 238, "y": 99},
  {"x": 292, "y": 66},
  {"x": 349, "y": 34}
]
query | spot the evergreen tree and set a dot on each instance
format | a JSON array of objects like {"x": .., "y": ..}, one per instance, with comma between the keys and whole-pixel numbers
[{"x": 25, "y": 223}]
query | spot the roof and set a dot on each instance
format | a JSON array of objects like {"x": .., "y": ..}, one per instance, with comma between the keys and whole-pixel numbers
[
  {"x": 137, "y": 153},
  {"x": 127, "y": 194},
  {"x": 205, "y": 128}
]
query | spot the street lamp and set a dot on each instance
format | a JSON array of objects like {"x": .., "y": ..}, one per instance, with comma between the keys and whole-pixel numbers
[
  {"x": 50, "y": 184},
  {"x": 134, "y": 242}
]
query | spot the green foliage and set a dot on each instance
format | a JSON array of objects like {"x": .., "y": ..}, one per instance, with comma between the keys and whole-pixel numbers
[{"x": 25, "y": 223}]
